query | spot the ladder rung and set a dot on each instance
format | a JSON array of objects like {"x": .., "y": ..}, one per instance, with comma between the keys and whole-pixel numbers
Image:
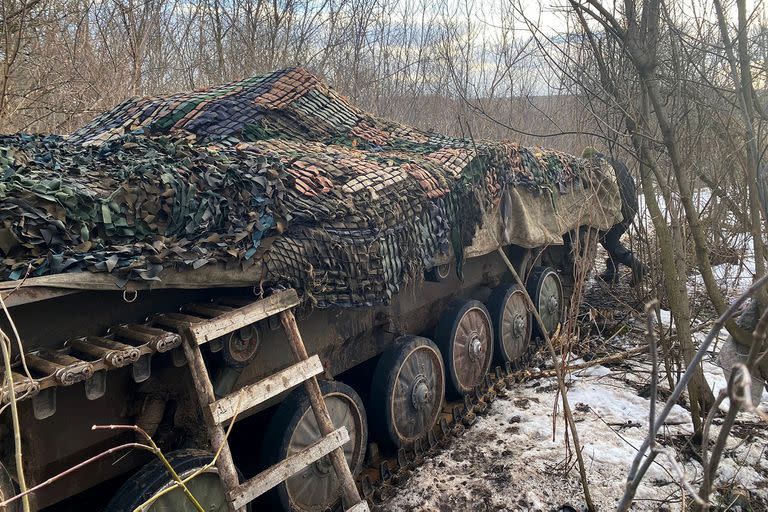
[
  {"x": 254, "y": 394},
  {"x": 228, "y": 322},
  {"x": 360, "y": 507},
  {"x": 264, "y": 481},
  {"x": 208, "y": 310}
]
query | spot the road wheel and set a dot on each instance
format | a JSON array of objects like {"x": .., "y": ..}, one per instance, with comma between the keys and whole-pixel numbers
[
  {"x": 294, "y": 427},
  {"x": 546, "y": 292},
  {"x": 407, "y": 391},
  {"x": 465, "y": 337},
  {"x": 512, "y": 323},
  {"x": 152, "y": 480}
]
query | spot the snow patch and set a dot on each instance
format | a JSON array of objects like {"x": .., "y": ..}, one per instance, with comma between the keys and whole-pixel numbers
[{"x": 513, "y": 458}]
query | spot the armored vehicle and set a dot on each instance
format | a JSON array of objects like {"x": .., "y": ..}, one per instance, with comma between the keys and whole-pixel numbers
[{"x": 150, "y": 257}]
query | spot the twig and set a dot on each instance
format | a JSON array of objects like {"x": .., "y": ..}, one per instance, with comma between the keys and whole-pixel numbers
[
  {"x": 7, "y": 294},
  {"x": 639, "y": 464},
  {"x": 707, "y": 423},
  {"x": 560, "y": 380},
  {"x": 159, "y": 454},
  {"x": 25, "y": 494},
  {"x": 151, "y": 447},
  {"x": 5, "y": 342},
  {"x": 650, "y": 337},
  {"x": 651, "y": 340},
  {"x": 737, "y": 385},
  {"x": 201, "y": 470},
  {"x": 15, "y": 333},
  {"x": 680, "y": 473}
]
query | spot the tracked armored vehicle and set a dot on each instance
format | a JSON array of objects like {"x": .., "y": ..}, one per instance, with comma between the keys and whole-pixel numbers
[{"x": 157, "y": 249}]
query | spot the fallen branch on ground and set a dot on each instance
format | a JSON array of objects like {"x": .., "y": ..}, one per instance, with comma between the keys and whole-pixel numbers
[
  {"x": 552, "y": 372},
  {"x": 646, "y": 455}
]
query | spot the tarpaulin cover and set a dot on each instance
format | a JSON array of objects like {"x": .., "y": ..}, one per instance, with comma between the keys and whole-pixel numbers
[{"x": 276, "y": 180}]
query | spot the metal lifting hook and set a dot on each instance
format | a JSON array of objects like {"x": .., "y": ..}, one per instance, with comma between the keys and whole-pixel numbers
[{"x": 130, "y": 298}]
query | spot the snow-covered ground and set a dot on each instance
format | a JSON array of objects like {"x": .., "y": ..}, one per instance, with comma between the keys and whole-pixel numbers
[
  {"x": 511, "y": 460},
  {"x": 515, "y": 458},
  {"x": 734, "y": 278}
]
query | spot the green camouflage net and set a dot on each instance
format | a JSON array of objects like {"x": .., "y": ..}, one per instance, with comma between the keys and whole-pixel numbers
[{"x": 277, "y": 171}]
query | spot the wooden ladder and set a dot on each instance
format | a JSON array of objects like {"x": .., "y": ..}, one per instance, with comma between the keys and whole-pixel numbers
[{"x": 218, "y": 412}]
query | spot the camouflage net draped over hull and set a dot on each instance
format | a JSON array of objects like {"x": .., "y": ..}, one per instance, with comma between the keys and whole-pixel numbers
[{"x": 276, "y": 171}]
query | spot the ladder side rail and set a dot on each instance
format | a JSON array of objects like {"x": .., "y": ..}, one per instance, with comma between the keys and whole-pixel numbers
[
  {"x": 348, "y": 487},
  {"x": 206, "y": 396}
]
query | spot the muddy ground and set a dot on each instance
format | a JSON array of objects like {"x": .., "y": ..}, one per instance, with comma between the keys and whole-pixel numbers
[{"x": 515, "y": 456}]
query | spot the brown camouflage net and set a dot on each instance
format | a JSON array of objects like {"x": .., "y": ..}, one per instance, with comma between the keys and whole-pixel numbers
[{"x": 277, "y": 172}]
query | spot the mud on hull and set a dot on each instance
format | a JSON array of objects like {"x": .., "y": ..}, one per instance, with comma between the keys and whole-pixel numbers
[{"x": 56, "y": 424}]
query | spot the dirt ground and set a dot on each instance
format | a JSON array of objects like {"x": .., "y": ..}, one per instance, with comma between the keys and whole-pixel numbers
[{"x": 514, "y": 457}]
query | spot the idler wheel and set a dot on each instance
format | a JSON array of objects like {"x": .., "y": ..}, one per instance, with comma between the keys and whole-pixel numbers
[
  {"x": 294, "y": 427},
  {"x": 407, "y": 391},
  {"x": 465, "y": 337},
  {"x": 546, "y": 292},
  {"x": 512, "y": 323},
  {"x": 153, "y": 478}
]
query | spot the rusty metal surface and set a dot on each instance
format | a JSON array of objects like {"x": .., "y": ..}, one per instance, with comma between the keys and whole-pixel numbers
[{"x": 343, "y": 338}]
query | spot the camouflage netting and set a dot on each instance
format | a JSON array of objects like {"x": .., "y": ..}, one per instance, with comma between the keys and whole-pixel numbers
[{"x": 277, "y": 178}]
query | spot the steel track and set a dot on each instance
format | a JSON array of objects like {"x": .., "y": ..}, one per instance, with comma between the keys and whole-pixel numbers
[{"x": 379, "y": 481}]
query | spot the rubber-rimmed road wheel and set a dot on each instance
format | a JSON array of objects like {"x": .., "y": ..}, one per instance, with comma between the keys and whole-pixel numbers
[
  {"x": 465, "y": 336},
  {"x": 512, "y": 323},
  {"x": 407, "y": 391},
  {"x": 546, "y": 292},
  {"x": 153, "y": 478},
  {"x": 293, "y": 427}
]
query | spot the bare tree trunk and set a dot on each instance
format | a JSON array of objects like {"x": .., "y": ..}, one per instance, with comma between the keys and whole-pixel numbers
[{"x": 741, "y": 75}]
